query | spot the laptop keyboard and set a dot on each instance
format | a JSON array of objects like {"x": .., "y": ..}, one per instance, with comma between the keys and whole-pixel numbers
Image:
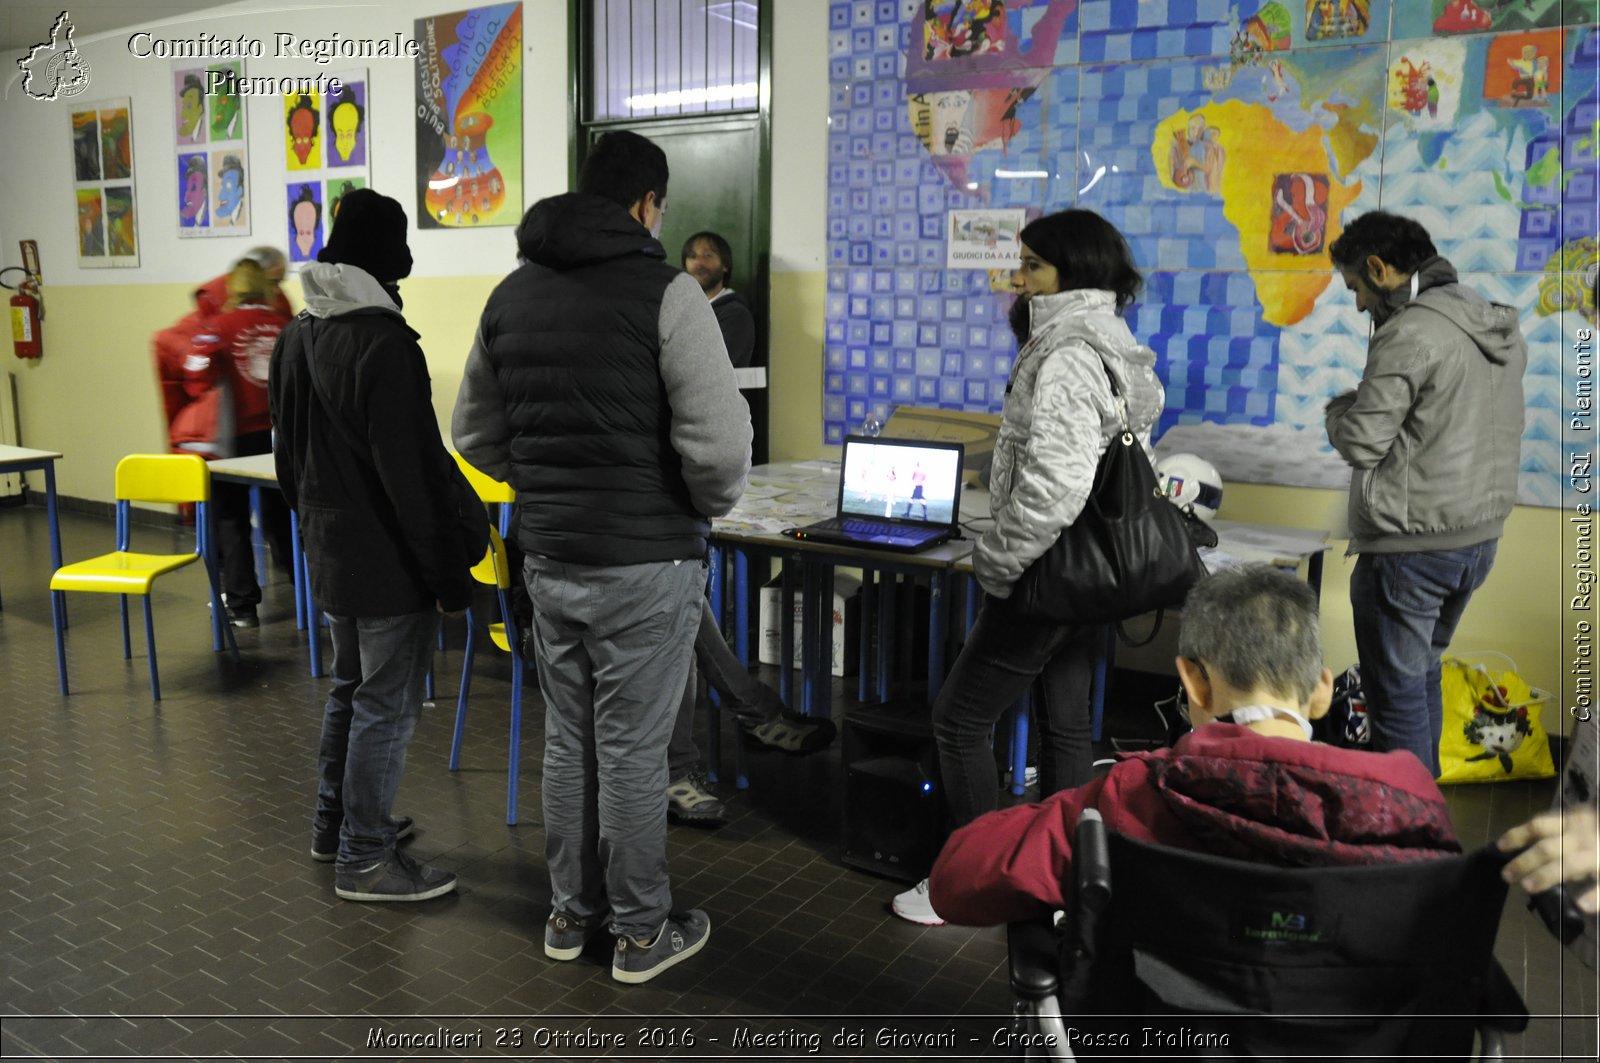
[{"x": 866, "y": 527}]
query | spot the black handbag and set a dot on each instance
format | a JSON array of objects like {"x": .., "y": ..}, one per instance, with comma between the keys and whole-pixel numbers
[{"x": 1130, "y": 552}]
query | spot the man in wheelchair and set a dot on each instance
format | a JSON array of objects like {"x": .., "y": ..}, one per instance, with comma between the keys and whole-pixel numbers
[{"x": 1246, "y": 783}]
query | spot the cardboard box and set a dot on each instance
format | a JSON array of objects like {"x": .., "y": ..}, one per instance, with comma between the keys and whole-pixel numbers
[{"x": 846, "y": 609}]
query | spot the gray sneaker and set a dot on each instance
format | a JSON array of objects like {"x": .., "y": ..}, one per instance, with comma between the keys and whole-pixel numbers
[
  {"x": 565, "y": 935},
  {"x": 681, "y": 936},
  {"x": 400, "y": 878},
  {"x": 690, "y": 801}
]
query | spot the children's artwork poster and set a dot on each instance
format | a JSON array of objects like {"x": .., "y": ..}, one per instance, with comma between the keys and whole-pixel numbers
[
  {"x": 213, "y": 170},
  {"x": 344, "y": 138},
  {"x": 469, "y": 118},
  {"x": 305, "y": 220},
  {"x": 102, "y": 185},
  {"x": 302, "y": 122},
  {"x": 985, "y": 239},
  {"x": 328, "y": 156}
]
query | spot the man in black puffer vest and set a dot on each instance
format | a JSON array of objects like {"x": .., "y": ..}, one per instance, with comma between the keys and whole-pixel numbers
[{"x": 599, "y": 388}]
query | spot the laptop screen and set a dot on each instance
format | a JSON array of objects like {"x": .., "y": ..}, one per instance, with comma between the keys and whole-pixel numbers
[{"x": 899, "y": 479}]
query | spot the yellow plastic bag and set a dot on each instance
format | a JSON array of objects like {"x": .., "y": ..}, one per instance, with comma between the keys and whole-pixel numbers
[{"x": 1492, "y": 726}]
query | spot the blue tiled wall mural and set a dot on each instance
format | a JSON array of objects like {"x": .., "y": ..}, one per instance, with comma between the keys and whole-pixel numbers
[{"x": 1226, "y": 138}]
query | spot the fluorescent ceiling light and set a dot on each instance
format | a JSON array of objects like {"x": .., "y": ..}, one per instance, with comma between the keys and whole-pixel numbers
[{"x": 650, "y": 101}]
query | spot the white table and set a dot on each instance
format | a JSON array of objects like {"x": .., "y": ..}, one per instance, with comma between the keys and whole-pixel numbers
[{"x": 25, "y": 459}]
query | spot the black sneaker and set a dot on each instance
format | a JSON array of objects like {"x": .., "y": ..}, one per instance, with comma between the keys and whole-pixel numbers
[
  {"x": 400, "y": 878},
  {"x": 242, "y": 615},
  {"x": 691, "y": 802},
  {"x": 681, "y": 936},
  {"x": 565, "y": 935},
  {"x": 792, "y": 733},
  {"x": 325, "y": 844}
]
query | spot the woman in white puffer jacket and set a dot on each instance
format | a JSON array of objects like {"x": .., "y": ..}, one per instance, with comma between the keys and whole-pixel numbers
[{"x": 1077, "y": 276}]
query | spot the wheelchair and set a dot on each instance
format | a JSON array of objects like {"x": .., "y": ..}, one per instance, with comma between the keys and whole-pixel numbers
[{"x": 1165, "y": 953}]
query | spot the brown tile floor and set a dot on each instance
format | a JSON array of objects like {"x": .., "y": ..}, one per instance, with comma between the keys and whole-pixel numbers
[{"x": 157, "y": 898}]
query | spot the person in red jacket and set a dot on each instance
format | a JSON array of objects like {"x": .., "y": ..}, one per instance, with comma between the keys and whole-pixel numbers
[
  {"x": 228, "y": 359},
  {"x": 1246, "y": 783}
]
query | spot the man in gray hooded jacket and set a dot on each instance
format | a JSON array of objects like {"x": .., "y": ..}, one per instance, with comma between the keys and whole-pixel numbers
[{"x": 1434, "y": 433}]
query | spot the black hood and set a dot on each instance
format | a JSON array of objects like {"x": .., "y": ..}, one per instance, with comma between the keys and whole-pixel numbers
[{"x": 577, "y": 229}]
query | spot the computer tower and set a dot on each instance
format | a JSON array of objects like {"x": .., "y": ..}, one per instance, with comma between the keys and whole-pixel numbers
[{"x": 893, "y": 803}]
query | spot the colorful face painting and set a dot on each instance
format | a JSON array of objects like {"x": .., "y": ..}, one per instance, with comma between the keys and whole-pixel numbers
[
  {"x": 190, "y": 95},
  {"x": 91, "y": 224},
  {"x": 192, "y": 192},
  {"x": 347, "y": 115},
  {"x": 227, "y": 121},
  {"x": 305, "y": 221},
  {"x": 227, "y": 193},
  {"x": 336, "y": 191},
  {"x": 119, "y": 221},
  {"x": 85, "y": 146},
  {"x": 302, "y": 120},
  {"x": 116, "y": 144}
]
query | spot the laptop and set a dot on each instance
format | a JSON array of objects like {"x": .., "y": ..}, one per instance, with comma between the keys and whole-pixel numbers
[{"x": 894, "y": 494}]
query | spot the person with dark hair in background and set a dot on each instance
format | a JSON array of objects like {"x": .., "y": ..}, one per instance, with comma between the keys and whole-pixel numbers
[
  {"x": 1060, "y": 414},
  {"x": 1434, "y": 434},
  {"x": 762, "y": 717},
  {"x": 598, "y": 387},
  {"x": 707, "y": 258},
  {"x": 1247, "y": 783},
  {"x": 384, "y": 518}
]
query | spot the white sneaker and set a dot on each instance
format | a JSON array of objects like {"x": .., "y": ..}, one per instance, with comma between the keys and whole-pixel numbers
[{"x": 913, "y": 906}]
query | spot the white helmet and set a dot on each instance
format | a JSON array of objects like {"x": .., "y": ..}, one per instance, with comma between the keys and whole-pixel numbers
[{"x": 1190, "y": 480}]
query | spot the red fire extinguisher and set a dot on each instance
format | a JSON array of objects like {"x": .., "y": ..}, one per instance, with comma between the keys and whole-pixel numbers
[{"x": 27, "y": 308}]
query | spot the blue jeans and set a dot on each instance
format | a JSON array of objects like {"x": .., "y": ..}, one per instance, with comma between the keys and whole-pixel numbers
[
  {"x": 1406, "y": 608},
  {"x": 1003, "y": 656},
  {"x": 378, "y": 667},
  {"x": 614, "y": 644}
]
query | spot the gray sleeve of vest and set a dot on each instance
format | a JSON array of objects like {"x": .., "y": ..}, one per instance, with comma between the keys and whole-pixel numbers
[
  {"x": 478, "y": 426},
  {"x": 710, "y": 419}
]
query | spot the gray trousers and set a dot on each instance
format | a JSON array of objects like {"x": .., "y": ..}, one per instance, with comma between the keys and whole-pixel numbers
[{"x": 613, "y": 645}]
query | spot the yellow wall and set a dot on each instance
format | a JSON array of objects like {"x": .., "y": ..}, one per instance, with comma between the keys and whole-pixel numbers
[{"x": 94, "y": 398}]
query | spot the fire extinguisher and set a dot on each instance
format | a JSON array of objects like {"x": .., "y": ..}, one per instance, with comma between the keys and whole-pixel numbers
[{"x": 27, "y": 308}]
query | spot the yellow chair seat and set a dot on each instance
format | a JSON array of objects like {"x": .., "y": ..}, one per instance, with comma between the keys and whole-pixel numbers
[
  {"x": 122, "y": 572},
  {"x": 497, "y": 633}
]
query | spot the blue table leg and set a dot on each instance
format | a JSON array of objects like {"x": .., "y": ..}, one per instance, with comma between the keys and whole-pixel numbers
[
  {"x": 810, "y": 651},
  {"x": 714, "y": 565},
  {"x": 824, "y": 661},
  {"x": 1105, "y": 638},
  {"x": 298, "y": 567},
  {"x": 864, "y": 633},
  {"x": 786, "y": 689},
  {"x": 1019, "y": 744},
  {"x": 936, "y": 631},
  {"x": 258, "y": 531},
  {"x": 53, "y": 516},
  {"x": 741, "y": 607},
  {"x": 888, "y": 591}
]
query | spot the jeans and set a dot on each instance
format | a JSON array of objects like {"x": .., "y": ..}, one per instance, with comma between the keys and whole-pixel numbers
[
  {"x": 1406, "y": 608},
  {"x": 372, "y": 710},
  {"x": 1003, "y": 656},
  {"x": 613, "y": 645},
  {"x": 751, "y": 700},
  {"x": 235, "y": 549}
]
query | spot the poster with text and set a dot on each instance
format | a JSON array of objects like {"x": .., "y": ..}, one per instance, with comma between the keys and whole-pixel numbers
[
  {"x": 102, "y": 185},
  {"x": 469, "y": 118}
]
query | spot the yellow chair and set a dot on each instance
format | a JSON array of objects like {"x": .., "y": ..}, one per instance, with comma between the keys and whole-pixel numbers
[
  {"x": 171, "y": 478},
  {"x": 494, "y": 571},
  {"x": 491, "y": 492}
]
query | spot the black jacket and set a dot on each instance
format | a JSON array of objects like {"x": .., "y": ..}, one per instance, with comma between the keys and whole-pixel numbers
[
  {"x": 380, "y": 504},
  {"x": 599, "y": 388}
]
